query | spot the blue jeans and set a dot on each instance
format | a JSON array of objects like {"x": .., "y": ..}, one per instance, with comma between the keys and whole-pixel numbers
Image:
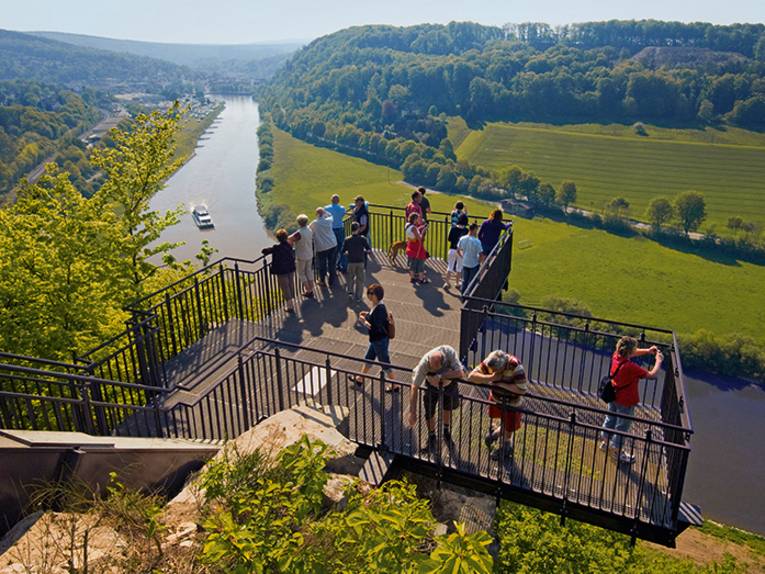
[
  {"x": 379, "y": 350},
  {"x": 615, "y": 422},
  {"x": 326, "y": 264},
  {"x": 467, "y": 276},
  {"x": 342, "y": 261}
]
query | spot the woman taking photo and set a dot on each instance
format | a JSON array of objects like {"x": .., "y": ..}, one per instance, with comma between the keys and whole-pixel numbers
[{"x": 625, "y": 376}]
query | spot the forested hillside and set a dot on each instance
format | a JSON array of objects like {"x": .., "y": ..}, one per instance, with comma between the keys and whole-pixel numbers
[
  {"x": 386, "y": 94},
  {"x": 27, "y": 57},
  {"x": 384, "y": 78},
  {"x": 37, "y": 121},
  {"x": 258, "y": 61}
]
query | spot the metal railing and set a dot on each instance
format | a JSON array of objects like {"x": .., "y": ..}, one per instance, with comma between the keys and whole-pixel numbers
[
  {"x": 387, "y": 224},
  {"x": 555, "y": 451},
  {"x": 491, "y": 279},
  {"x": 122, "y": 387},
  {"x": 43, "y": 399}
]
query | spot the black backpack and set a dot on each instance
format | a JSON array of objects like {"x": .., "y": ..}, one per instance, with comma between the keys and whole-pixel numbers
[{"x": 606, "y": 390}]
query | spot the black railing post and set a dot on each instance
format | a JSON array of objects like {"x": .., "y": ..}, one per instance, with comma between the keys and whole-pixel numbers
[
  {"x": 170, "y": 325},
  {"x": 582, "y": 357},
  {"x": 643, "y": 471},
  {"x": 328, "y": 374},
  {"x": 140, "y": 351},
  {"x": 243, "y": 392},
  {"x": 222, "y": 273},
  {"x": 567, "y": 473},
  {"x": 532, "y": 345},
  {"x": 382, "y": 409},
  {"x": 87, "y": 408},
  {"x": 239, "y": 305},
  {"x": 279, "y": 385},
  {"x": 390, "y": 226},
  {"x": 482, "y": 329},
  {"x": 200, "y": 315},
  {"x": 99, "y": 410}
]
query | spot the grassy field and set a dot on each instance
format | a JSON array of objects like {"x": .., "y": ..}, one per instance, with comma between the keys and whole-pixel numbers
[
  {"x": 607, "y": 161},
  {"x": 628, "y": 279}
]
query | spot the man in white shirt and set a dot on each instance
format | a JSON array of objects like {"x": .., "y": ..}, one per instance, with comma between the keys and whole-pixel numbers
[{"x": 326, "y": 246}]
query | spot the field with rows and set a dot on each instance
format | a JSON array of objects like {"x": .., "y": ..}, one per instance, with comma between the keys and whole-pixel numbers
[
  {"x": 607, "y": 161},
  {"x": 627, "y": 279}
]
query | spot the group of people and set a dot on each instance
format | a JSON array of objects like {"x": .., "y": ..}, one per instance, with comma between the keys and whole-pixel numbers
[
  {"x": 437, "y": 374},
  {"x": 470, "y": 244},
  {"x": 436, "y": 377},
  {"x": 322, "y": 245}
]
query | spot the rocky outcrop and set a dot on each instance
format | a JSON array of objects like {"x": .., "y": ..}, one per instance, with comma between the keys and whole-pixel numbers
[{"x": 58, "y": 542}]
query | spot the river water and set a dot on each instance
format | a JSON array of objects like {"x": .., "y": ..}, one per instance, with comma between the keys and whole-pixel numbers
[
  {"x": 222, "y": 176},
  {"x": 727, "y": 465}
]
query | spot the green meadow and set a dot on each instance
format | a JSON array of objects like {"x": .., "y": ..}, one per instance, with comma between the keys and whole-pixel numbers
[
  {"x": 628, "y": 279},
  {"x": 606, "y": 161}
]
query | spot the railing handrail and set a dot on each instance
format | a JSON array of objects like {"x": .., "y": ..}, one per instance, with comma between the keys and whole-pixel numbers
[
  {"x": 296, "y": 346},
  {"x": 488, "y": 260},
  {"x": 567, "y": 314},
  {"x": 88, "y": 379},
  {"x": 537, "y": 321},
  {"x": 397, "y": 208},
  {"x": 50, "y": 362},
  {"x": 133, "y": 305}
]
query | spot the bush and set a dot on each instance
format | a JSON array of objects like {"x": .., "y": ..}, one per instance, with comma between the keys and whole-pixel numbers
[{"x": 265, "y": 516}]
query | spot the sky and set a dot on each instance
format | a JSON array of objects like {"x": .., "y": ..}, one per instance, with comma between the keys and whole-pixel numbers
[{"x": 254, "y": 21}]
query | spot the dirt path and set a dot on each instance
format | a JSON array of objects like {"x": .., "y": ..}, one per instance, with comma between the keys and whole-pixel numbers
[{"x": 704, "y": 549}]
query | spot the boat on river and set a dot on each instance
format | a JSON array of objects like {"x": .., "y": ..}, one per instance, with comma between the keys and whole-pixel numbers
[{"x": 201, "y": 217}]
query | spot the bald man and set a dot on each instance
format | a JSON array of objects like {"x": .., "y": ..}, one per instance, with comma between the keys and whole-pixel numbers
[{"x": 438, "y": 369}]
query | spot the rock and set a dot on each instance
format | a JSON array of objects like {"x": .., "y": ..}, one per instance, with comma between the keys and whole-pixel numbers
[
  {"x": 270, "y": 437},
  {"x": 452, "y": 503}
]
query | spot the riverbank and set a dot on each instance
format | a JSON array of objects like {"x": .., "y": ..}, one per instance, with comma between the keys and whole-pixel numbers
[
  {"x": 220, "y": 174},
  {"x": 191, "y": 130}
]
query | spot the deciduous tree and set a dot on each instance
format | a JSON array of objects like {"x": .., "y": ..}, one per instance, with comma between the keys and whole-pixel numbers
[
  {"x": 690, "y": 210},
  {"x": 659, "y": 211},
  {"x": 136, "y": 169}
]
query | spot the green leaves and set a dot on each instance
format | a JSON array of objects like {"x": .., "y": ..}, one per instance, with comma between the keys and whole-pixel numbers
[
  {"x": 269, "y": 516},
  {"x": 460, "y": 553}
]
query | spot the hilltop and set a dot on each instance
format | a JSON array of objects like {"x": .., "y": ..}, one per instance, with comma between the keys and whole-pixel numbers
[
  {"x": 28, "y": 57},
  {"x": 255, "y": 60}
]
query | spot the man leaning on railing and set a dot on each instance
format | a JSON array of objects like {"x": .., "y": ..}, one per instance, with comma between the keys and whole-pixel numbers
[{"x": 436, "y": 374}]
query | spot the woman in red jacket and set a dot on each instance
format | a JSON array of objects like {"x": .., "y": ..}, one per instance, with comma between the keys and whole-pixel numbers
[{"x": 625, "y": 376}]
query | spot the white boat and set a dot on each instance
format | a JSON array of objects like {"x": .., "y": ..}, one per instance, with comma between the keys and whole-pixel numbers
[{"x": 202, "y": 217}]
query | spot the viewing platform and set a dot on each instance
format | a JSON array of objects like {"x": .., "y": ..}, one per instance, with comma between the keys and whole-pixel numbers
[{"x": 213, "y": 354}]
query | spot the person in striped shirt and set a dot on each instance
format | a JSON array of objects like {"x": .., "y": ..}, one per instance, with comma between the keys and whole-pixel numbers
[{"x": 506, "y": 377}]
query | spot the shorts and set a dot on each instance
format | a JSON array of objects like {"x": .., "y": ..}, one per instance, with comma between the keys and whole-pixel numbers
[
  {"x": 416, "y": 266},
  {"x": 379, "y": 350},
  {"x": 451, "y": 398},
  {"x": 304, "y": 270},
  {"x": 287, "y": 285},
  {"x": 511, "y": 419},
  {"x": 454, "y": 262}
]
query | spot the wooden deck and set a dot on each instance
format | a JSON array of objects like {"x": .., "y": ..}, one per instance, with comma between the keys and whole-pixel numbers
[{"x": 548, "y": 458}]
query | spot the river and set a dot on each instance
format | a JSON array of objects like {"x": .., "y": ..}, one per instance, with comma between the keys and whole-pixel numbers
[
  {"x": 222, "y": 176},
  {"x": 727, "y": 464}
]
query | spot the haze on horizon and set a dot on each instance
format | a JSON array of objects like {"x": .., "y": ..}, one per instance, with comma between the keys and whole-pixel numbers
[{"x": 248, "y": 21}]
